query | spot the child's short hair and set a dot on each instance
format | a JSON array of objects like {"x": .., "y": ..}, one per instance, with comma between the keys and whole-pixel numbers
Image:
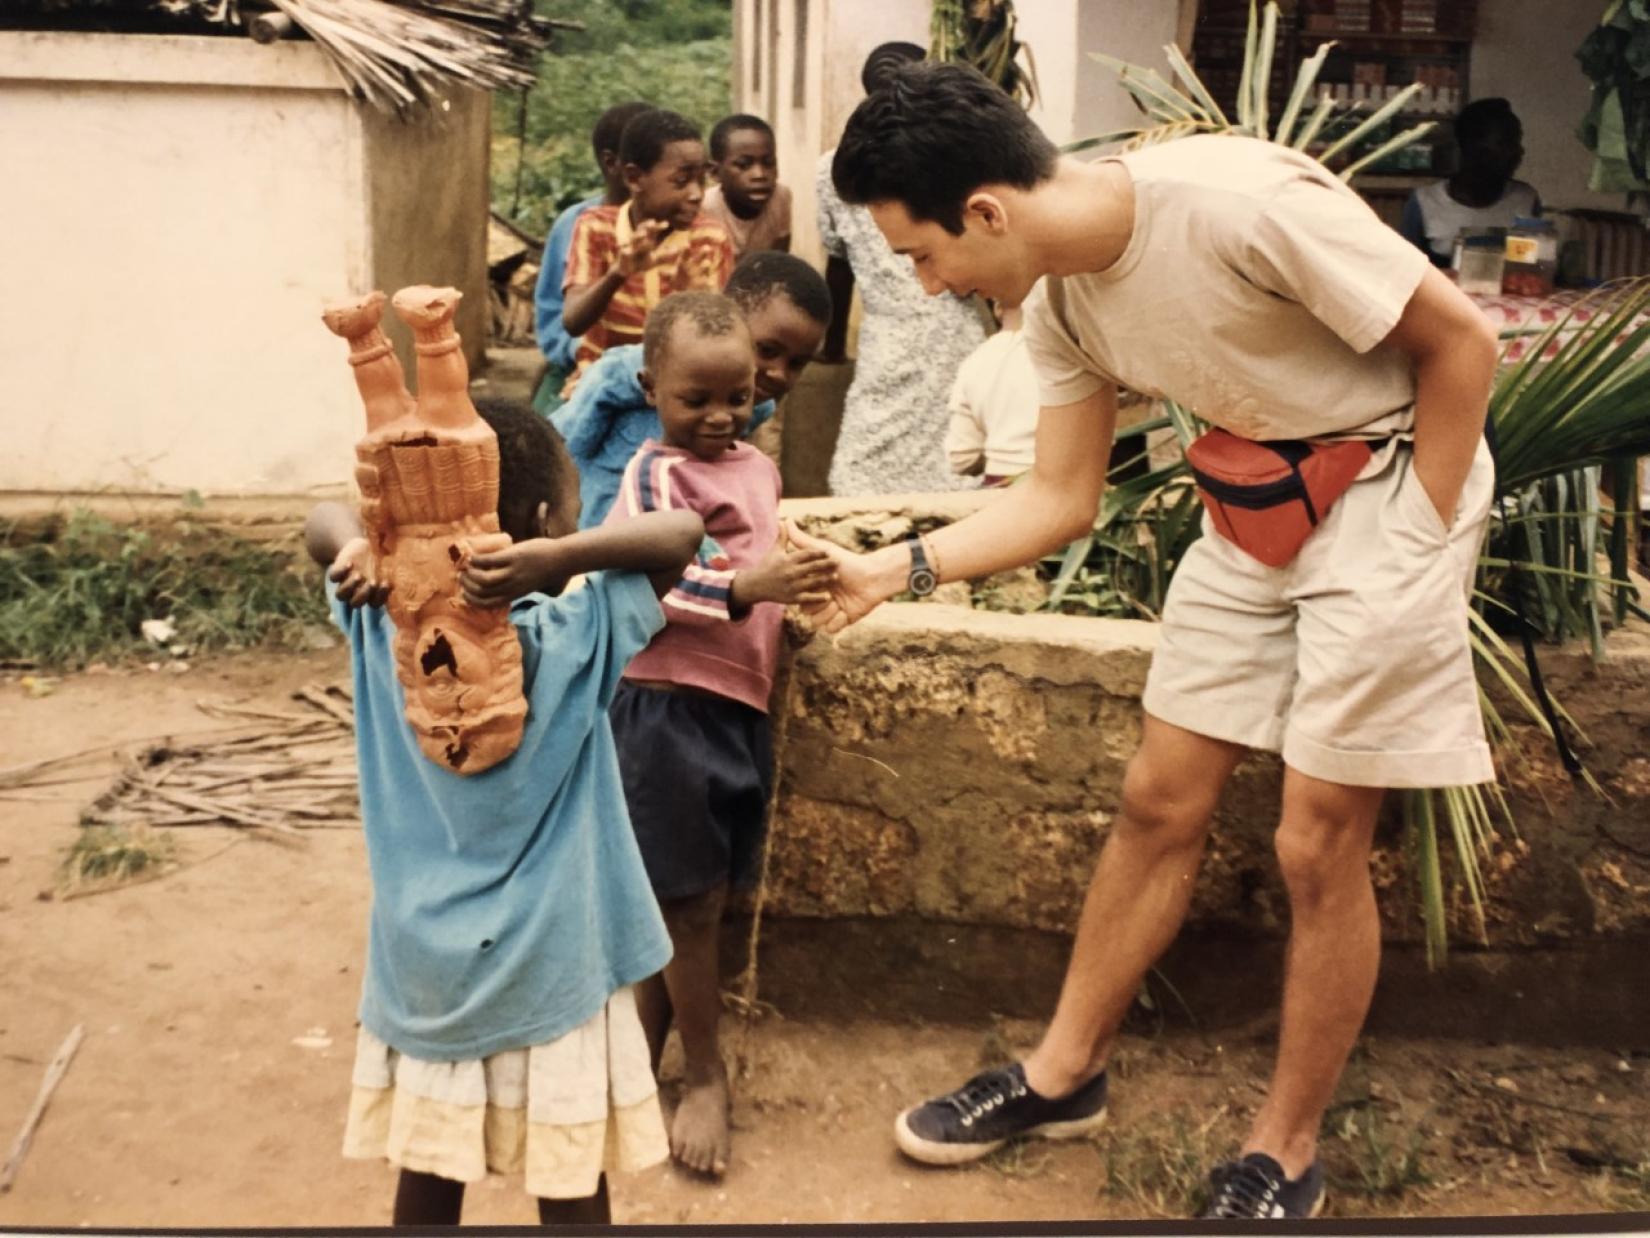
[
  {"x": 712, "y": 314},
  {"x": 610, "y": 125},
  {"x": 933, "y": 135},
  {"x": 730, "y": 125},
  {"x": 533, "y": 464},
  {"x": 648, "y": 133},
  {"x": 761, "y": 274},
  {"x": 885, "y": 60}
]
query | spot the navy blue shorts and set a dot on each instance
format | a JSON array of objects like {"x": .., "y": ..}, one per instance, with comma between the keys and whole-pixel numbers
[{"x": 697, "y": 773}]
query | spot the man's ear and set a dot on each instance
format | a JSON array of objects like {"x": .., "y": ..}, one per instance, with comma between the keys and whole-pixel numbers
[
  {"x": 608, "y": 161},
  {"x": 646, "y": 380},
  {"x": 988, "y": 211},
  {"x": 633, "y": 174}
]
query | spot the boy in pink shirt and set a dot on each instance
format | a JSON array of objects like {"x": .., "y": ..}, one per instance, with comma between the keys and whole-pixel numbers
[{"x": 690, "y": 718}]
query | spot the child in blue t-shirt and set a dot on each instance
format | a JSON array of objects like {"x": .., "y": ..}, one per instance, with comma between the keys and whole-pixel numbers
[
  {"x": 511, "y": 912},
  {"x": 787, "y": 307}
]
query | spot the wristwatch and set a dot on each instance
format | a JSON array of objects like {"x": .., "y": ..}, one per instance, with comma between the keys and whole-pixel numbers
[{"x": 922, "y": 580}]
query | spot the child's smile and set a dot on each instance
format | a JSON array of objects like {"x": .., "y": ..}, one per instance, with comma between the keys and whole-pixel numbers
[{"x": 703, "y": 390}]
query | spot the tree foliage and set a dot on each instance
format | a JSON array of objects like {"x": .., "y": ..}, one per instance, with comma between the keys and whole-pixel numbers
[{"x": 673, "y": 53}]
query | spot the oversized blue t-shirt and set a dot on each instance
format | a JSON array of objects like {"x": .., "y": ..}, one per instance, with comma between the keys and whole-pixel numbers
[{"x": 507, "y": 905}]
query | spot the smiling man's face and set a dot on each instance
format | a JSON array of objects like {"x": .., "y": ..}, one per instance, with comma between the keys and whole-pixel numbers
[{"x": 984, "y": 259}]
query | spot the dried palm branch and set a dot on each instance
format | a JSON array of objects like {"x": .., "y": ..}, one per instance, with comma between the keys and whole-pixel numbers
[{"x": 397, "y": 55}]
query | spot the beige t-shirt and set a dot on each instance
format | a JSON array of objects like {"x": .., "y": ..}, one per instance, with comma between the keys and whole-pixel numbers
[
  {"x": 1255, "y": 291},
  {"x": 771, "y": 225}
]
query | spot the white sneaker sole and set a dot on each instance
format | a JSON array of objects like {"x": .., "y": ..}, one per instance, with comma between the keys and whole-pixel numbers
[{"x": 931, "y": 1152}]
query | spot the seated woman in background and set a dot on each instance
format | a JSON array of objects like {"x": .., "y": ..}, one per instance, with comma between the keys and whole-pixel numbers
[{"x": 1482, "y": 193}]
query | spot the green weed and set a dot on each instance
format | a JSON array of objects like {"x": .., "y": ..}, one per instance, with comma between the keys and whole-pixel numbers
[{"x": 79, "y": 590}]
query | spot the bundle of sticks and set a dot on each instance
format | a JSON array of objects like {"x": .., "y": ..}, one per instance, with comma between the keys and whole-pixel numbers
[{"x": 278, "y": 770}]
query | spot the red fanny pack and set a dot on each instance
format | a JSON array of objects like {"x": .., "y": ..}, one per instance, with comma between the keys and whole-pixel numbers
[{"x": 1266, "y": 498}]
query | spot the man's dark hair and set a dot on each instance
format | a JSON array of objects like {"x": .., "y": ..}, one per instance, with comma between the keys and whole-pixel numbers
[
  {"x": 730, "y": 125},
  {"x": 609, "y": 127},
  {"x": 768, "y": 271},
  {"x": 1482, "y": 117},
  {"x": 711, "y": 313},
  {"x": 932, "y": 136},
  {"x": 533, "y": 464},
  {"x": 648, "y": 133},
  {"x": 885, "y": 60}
]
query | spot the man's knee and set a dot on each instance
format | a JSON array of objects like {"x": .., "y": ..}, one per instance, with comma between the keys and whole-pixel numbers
[
  {"x": 1323, "y": 844},
  {"x": 1170, "y": 810}
]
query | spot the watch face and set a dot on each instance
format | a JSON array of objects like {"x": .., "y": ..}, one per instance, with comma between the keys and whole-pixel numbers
[{"x": 922, "y": 582}]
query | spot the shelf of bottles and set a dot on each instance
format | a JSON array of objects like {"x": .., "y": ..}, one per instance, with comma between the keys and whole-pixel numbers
[{"x": 1380, "y": 47}]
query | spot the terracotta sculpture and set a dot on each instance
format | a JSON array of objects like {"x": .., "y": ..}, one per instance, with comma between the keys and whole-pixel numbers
[{"x": 428, "y": 475}]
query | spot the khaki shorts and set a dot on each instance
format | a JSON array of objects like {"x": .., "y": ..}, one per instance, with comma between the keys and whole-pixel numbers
[{"x": 1353, "y": 660}]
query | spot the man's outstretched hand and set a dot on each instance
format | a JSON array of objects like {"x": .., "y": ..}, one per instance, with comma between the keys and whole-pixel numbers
[{"x": 848, "y": 598}]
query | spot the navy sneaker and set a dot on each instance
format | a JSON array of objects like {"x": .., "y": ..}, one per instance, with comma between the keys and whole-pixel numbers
[
  {"x": 1254, "y": 1189},
  {"x": 989, "y": 1110}
]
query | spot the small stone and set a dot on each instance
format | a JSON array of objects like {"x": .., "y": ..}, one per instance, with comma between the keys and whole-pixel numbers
[
  {"x": 1624, "y": 1066},
  {"x": 1506, "y": 1083}
]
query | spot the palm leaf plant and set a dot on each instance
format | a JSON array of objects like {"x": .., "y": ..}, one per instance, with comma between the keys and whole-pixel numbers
[
  {"x": 982, "y": 33},
  {"x": 1569, "y": 398}
]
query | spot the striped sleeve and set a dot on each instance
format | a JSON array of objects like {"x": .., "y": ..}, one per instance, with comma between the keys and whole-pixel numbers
[
  {"x": 704, "y": 594},
  {"x": 592, "y": 250}
]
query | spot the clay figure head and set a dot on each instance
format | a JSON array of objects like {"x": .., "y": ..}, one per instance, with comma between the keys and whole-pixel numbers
[
  {"x": 947, "y": 165},
  {"x": 664, "y": 168},
  {"x": 699, "y": 371},
  {"x": 787, "y": 307},
  {"x": 604, "y": 144},
  {"x": 745, "y": 163},
  {"x": 538, "y": 484}
]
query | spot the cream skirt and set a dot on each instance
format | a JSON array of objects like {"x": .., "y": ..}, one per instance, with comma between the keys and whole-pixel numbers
[{"x": 560, "y": 1113}]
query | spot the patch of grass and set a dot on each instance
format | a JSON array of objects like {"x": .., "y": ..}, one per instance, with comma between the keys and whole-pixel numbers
[
  {"x": 1374, "y": 1159},
  {"x": 1161, "y": 1163},
  {"x": 77, "y": 591},
  {"x": 109, "y": 855},
  {"x": 1020, "y": 1158}
]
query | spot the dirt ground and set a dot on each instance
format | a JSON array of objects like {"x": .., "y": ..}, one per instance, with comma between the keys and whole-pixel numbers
[{"x": 192, "y": 1102}]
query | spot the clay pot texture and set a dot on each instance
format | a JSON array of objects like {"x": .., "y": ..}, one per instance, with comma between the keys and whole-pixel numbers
[{"x": 427, "y": 470}]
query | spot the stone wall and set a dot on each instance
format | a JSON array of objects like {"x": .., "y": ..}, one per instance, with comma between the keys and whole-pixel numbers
[{"x": 964, "y": 766}]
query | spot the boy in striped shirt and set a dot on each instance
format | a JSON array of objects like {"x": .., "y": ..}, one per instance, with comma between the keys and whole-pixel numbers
[
  {"x": 690, "y": 718},
  {"x": 625, "y": 259}
]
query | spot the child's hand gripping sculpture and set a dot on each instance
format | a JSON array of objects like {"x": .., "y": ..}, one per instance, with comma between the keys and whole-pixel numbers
[{"x": 428, "y": 474}]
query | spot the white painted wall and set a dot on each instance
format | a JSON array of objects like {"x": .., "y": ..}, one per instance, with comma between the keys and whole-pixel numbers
[
  {"x": 1130, "y": 30},
  {"x": 1525, "y": 51},
  {"x": 187, "y": 207}
]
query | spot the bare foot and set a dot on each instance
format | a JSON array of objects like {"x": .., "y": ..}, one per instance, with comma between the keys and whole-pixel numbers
[{"x": 699, "y": 1138}]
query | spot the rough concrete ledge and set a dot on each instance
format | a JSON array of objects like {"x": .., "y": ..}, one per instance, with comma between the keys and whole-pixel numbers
[{"x": 965, "y": 766}]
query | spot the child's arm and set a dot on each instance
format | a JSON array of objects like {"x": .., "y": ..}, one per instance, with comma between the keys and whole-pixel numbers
[
  {"x": 334, "y": 538},
  {"x": 965, "y": 433},
  {"x": 587, "y": 300},
  {"x": 659, "y": 544}
]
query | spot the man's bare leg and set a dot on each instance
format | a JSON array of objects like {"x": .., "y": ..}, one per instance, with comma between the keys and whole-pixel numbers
[
  {"x": 1323, "y": 844},
  {"x": 1136, "y": 900}
]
